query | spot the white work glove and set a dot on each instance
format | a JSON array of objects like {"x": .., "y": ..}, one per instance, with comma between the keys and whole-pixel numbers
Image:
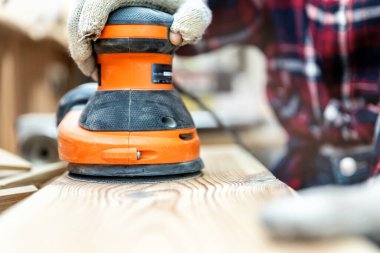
[
  {"x": 327, "y": 211},
  {"x": 88, "y": 17}
]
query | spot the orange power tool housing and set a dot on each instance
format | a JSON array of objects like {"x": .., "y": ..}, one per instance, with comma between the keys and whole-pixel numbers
[{"x": 133, "y": 123}]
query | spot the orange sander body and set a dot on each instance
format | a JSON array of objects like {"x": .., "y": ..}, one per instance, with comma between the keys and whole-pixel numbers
[{"x": 132, "y": 123}]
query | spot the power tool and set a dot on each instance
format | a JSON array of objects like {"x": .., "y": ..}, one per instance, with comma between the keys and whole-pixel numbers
[{"x": 134, "y": 123}]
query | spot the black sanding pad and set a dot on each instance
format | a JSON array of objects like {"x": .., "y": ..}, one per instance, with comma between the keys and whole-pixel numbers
[{"x": 134, "y": 173}]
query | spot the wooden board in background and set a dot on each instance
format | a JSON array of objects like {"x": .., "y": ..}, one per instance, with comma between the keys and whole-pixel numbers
[
  {"x": 8, "y": 173},
  {"x": 33, "y": 77},
  {"x": 38, "y": 176},
  {"x": 217, "y": 211},
  {"x": 9, "y": 197},
  {"x": 9, "y": 161}
]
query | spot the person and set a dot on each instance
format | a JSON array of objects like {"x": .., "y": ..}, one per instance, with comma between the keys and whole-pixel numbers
[{"x": 323, "y": 85}]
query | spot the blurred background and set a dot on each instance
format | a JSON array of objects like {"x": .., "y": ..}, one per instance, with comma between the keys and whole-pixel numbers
[{"x": 36, "y": 70}]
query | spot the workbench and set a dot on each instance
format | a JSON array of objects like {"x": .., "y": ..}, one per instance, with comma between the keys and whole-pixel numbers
[{"x": 216, "y": 211}]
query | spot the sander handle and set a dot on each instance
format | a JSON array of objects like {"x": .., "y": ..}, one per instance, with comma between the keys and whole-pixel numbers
[{"x": 136, "y": 30}]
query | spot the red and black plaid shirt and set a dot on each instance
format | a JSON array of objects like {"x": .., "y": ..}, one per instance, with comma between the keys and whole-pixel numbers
[{"x": 323, "y": 64}]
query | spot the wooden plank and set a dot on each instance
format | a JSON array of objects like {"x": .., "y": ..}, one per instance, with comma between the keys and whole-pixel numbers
[
  {"x": 9, "y": 197},
  {"x": 8, "y": 173},
  {"x": 9, "y": 161},
  {"x": 216, "y": 211},
  {"x": 38, "y": 176},
  {"x": 7, "y": 95},
  {"x": 34, "y": 75}
]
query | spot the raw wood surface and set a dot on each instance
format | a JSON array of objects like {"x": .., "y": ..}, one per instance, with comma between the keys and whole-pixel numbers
[
  {"x": 7, "y": 96},
  {"x": 38, "y": 176},
  {"x": 8, "y": 173},
  {"x": 9, "y": 161},
  {"x": 217, "y": 211},
  {"x": 9, "y": 197}
]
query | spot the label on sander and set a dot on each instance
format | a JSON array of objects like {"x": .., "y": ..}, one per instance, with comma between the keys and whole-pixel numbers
[{"x": 161, "y": 73}]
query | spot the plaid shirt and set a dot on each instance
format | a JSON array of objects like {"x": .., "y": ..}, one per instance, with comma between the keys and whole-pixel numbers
[{"x": 323, "y": 70}]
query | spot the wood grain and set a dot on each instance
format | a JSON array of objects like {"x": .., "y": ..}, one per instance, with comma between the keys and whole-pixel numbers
[
  {"x": 9, "y": 197},
  {"x": 9, "y": 161},
  {"x": 213, "y": 212}
]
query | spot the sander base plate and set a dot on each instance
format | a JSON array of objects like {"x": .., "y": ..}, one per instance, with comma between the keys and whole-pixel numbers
[{"x": 80, "y": 171}]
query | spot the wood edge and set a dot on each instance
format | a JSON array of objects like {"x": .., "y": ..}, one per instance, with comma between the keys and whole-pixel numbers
[
  {"x": 11, "y": 196},
  {"x": 15, "y": 167},
  {"x": 12, "y": 161},
  {"x": 37, "y": 176},
  {"x": 18, "y": 190}
]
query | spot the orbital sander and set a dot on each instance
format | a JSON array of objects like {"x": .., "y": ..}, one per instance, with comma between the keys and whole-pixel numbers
[{"x": 132, "y": 123}]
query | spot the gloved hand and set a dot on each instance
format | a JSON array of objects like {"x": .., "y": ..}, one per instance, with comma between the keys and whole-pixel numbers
[
  {"x": 88, "y": 17},
  {"x": 327, "y": 211}
]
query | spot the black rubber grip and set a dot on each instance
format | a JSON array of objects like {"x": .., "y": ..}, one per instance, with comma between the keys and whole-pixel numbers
[
  {"x": 135, "y": 110},
  {"x": 141, "y": 16},
  {"x": 136, "y": 45}
]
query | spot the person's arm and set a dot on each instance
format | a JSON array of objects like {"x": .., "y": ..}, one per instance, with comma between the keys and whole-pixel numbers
[
  {"x": 323, "y": 212},
  {"x": 88, "y": 17}
]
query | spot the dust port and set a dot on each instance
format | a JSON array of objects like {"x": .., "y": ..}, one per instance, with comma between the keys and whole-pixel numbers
[
  {"x": 169, "y": 122},
  {"x": 186, "y": 136}
]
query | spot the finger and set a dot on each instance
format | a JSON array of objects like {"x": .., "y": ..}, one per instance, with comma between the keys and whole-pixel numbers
[
  {"x": 191, "y": 21},
  {"x": 176, "y": 39}
]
